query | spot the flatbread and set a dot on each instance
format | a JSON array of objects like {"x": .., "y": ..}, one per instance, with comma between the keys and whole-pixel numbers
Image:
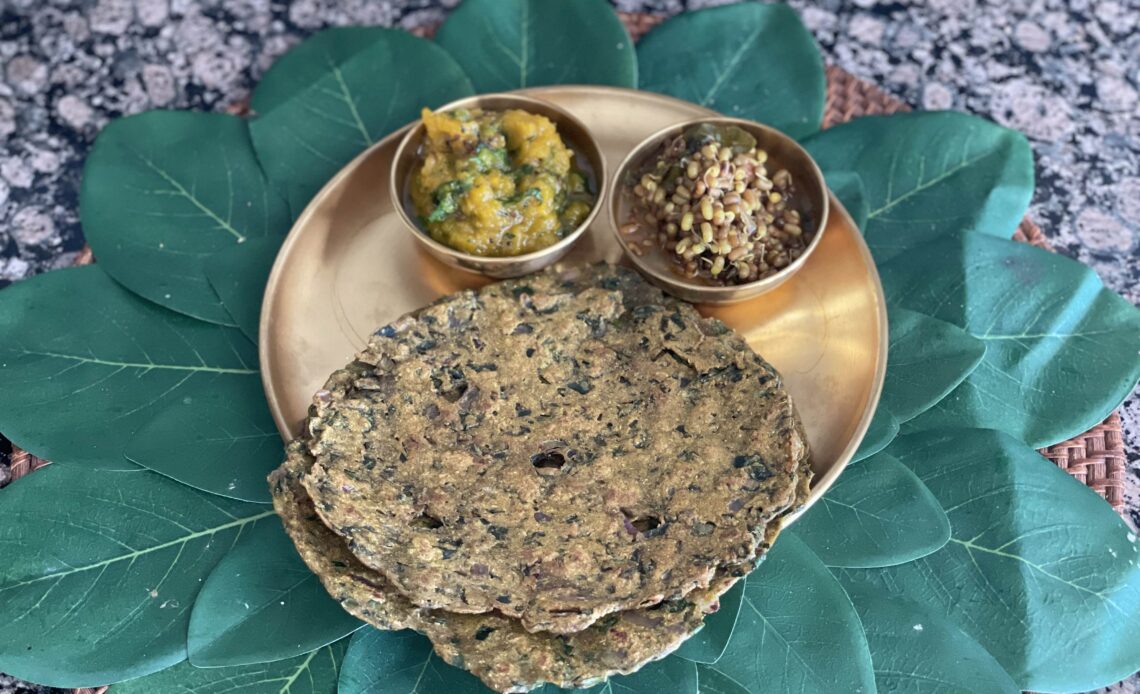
[
  {"x": 555, "y": 449},
  {"x": 362, "y": 592},
  {"x": 619, "y": 643},
  {"x": 495, "y": 648}
]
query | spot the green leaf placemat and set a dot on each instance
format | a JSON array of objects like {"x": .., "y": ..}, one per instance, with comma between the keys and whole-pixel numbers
[
  {"x": 926, "y": 174},
  {"x": 220, "y": 440},
  {"x": 928, "y": 359},
  {"x": 883, "y": 429},
  {"x": 238, "y": 276},
  {"x": 511, "y": 44},
  {"x": 1038, "y": 567},
  {"x": 357, "y": 98},
  {"x": 749, "y": 60},
  {"x": 311, "y": 62},
  {"x": 877, "y": 514},
  {"x": 917, "y": 650},
  {"x": 797, "y": 630},
  {"x": 261, "y": 603},
  {"x": 848, "y": 187},
  {"x": 311, "y": 673},
  {"x": 89, "y": 363},
  {"x": 1059, "y": 358},
  {"x": 165, "y": 190},
  {"x": 708, "y": 644},
  {"x": 101, "y": 568},
  {"x": 379, "y": 662}
]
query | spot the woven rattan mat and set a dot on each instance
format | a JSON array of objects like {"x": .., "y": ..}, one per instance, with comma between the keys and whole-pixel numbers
[{"x": 1095, "y": 458}]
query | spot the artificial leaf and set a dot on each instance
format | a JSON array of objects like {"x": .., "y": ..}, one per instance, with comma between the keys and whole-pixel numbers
[
  {"x": 928, "y": 359},
  {"x": 381, "y": 662},
  {"x": 511, "y": 44},
  {"x": 848, "y": 187},
  {"x": 884, "y": 428},
  {"x": 310, "y": 673},
  {"x": 668, "y": 675},
  {"x": 917, "y": 651},
  {"x": 797, "y": 631},
  {"x": 749, "y": 60},
  {"x": 877, "y": 514},
  {"x": 309, "y": 62},
  {"x": 89, "y": 363},
  {"x": 222, "y": 440},
  {"x": 929, "y": 173},
  {"x": 238, "y": 276},
  {"x": 1060, "y": 347},
  {"x": 162, "y": 192},
  {"x": 1039, "y": 570},
  {"x": 709, "y": 681},
  {"x": 672, "y": 674},
  {"x": 359, "y": 96},
  {"x": 261, "y": 603},
  {"x": 100, "y": 570},
  {"x": 707, "y": 645}
]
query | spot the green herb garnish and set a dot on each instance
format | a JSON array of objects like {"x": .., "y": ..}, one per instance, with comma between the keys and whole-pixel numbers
[{"x": 447, "y": 199}]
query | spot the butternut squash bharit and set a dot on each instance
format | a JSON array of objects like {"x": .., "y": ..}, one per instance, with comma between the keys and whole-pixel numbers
[{"x": 497, "y": 183}]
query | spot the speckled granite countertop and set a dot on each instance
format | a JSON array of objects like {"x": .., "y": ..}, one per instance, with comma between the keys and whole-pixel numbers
[{"x": 1065, "y": 72}]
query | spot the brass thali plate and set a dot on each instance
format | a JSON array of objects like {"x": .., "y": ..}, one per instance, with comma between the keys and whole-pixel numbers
[{"x": 348, "y": 267}]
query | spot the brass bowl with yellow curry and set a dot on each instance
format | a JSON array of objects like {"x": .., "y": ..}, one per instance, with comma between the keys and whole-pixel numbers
[{"x": 499, "y": 184}]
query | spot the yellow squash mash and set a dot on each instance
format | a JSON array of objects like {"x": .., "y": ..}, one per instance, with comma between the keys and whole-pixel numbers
[{"x": 497, "y": 183}]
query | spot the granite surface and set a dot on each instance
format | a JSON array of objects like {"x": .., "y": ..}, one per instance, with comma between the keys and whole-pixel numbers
[{"x": 1065, "y": 72}]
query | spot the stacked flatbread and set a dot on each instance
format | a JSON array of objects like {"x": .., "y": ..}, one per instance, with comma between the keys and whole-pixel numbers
[{"x": 553, "y": 478}]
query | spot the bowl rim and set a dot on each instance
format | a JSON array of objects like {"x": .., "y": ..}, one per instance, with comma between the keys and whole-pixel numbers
[
  {"x": 396, "y": 187},
  {"x": 714, "y": 293}
]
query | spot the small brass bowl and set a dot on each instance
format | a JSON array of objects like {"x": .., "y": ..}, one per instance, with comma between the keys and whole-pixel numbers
[
  {"x": 656, "y": 263},
  {"x": 588, "y": 158}
]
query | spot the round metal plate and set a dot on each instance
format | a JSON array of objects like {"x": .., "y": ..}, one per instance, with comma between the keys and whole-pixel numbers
[{"x": 348, "y": 267}]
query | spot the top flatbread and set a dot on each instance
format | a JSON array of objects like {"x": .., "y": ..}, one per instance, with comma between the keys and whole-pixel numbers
[{"x": 555, "y": 448}]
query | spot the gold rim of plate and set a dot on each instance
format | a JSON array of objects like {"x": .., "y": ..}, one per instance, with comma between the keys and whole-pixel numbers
[{"x": 348, "y": 267}]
